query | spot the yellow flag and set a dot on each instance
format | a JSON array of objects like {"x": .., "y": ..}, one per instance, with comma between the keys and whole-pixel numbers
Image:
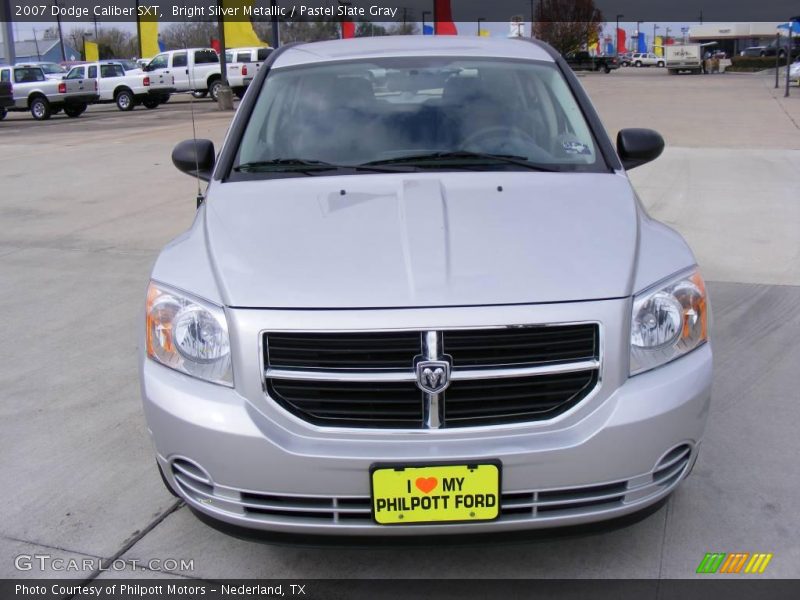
[
  {"x": 91, "y": 51},
  {"x": 485, "y": 33},
  {"x": 239, "y": 34},
  {"x": 659, "y": 46},
  {"x": 148, "y": 30}
]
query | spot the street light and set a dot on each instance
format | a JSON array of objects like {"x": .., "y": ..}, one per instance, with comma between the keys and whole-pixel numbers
[
  {"x": 638, "y": 33},
  {"x": 424, "y": 13},
  {"x": 655, "y": 27},
  {"x": 616, "y": 35},
  {"x": 479, "y": 25},
  {"x": 60, "y": 33}
]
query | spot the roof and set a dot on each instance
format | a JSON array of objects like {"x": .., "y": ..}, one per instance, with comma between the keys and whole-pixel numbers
[
  {"x": 410, "y": 45},
  {"x": 28, "y": 48}
]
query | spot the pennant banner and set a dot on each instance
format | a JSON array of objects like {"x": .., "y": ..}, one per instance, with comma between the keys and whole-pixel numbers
[
  {"x": 443, "y": 18},
  {"x": 148, "y": 32},
  {"x": 239, "y": 34},
  {"x": 91, "y": 51}
]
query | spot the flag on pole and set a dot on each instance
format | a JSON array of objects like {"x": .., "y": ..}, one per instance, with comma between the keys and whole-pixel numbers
[
  {"x": 427, "y": 30},
  {"x": 348, "y": 30},
  {"x": 621, "y": 41},
  {"x": 216, "y": 45},
  {"x": 91, "y": 51},
  {"x": 239, "y": 33},
  {"x": 443, "y": 18},
  {"x": 149, "y": 40}
]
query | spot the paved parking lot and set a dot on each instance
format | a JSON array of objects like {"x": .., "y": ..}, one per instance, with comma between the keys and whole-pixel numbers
[{"x": 85, "y": 205}]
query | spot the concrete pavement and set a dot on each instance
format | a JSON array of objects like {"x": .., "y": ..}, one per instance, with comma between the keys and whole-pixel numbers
[{"x": 86, "y": 204}]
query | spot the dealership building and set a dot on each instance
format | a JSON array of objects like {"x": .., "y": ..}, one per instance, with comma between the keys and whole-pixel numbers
[{"x": 735, "y": 37}]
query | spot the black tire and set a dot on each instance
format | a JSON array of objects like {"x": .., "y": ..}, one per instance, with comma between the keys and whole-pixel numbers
[
  {"x": 762, "y": 53},
  {"x": 239, "y": 93},
  {"x": 150, "y": 103},
  {"x": 75, "y": 111},
  {"x": 3, "y": 113},
  {"x": 607, "y": 69},
  {"x": 638, "y": 63},
  {"x": 660, "y": 64},
  {"x": 200, "y": 94},
  {"x": 40, "y": 108},
  {"x": 214, "y": 86},
  {"x": 125, "y": 100}
]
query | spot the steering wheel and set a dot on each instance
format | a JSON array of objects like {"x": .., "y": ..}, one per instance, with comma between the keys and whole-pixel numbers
[{"x": 501, "y": 139}]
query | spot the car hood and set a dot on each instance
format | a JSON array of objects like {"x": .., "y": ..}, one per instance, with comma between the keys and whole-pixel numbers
[{"x": 412, "y": 240}]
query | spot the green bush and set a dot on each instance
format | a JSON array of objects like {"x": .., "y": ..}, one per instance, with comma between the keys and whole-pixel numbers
[{"x": 754, "y": 63}]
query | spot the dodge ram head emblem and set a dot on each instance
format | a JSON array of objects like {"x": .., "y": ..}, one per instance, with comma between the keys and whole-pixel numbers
[{"x": 433, "y": 376}]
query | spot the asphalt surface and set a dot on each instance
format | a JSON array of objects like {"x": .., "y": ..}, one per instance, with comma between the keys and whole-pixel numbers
[{"x": 86, "y": 204}]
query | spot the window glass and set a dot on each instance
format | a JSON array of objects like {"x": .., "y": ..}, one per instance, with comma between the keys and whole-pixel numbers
[
  {"x": 420, "y": 105},
  {"x": 92, "y": 72},
  {"x": 5, "y": 75},
  {"x": 179, "y": 59},
  {"x": 243, "y": 57},
  {"x": 28, "y": 74},
  {"x": 76, "y": 73},
  {"x": 202, "y": 57},
  {"x": 111, "y": 71},
  {"x": 159, "y": 62},
  {"x": 263, "y": 53}
]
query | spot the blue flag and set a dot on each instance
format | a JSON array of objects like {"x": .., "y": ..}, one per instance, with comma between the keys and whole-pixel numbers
[
  {"x": 642, "y": 45},
  {"x": 427, "y": 30}
]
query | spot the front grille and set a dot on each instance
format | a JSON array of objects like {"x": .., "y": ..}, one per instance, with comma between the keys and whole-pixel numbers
[
  {"x": 391, "y": 350},
  {"x": 521, "y": 345},
  {"x": 367, "y": 379},
  {"x": 354, "y": 404},
  {"x": 511, "y": 400}
]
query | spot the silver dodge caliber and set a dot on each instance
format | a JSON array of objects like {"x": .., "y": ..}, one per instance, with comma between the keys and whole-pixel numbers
[{"x": 420, "y": 297}]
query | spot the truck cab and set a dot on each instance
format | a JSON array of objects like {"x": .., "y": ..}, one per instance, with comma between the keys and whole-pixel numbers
[
  {"x": 191, "y": 70},
  {"x": 243, "y": 64},
  {"x": 33, "y": 91}
]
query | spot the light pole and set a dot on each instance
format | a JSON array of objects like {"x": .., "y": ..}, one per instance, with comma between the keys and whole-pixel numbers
[
  {"x": 424, "y": 13},
  {"x": 616, "y": 35},
  {"x": 480, "y": 19},
  {"x": 638, "y": 33},
  {"x": 533, "y": 16},
  {"x": 789, "y": 46},
  {"x": 60, "y": 33},
  {"x": 655, "y": 27}
]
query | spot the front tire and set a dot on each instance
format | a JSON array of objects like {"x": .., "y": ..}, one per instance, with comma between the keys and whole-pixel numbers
[
  {"x": 124, "y": 100},
  {"x": 74, "y": 111},
  {"x": 40, "y": 109}
]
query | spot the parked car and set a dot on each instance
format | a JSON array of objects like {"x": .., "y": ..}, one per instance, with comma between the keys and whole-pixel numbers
[
  {"x": 126, "y": 89},
  {"x": 130, "y": 66},
  {"x": 774, "y": 47},
  {"x": 794, "y": 72},
  {"x": 51, "y": 70},
  {"x": 43, "y": 97},
  {"x": 6, "y": 98},
  {"x": 243, "y": 64},
  {"x": 625, "y": 59},
  {"x": 645, "y": 59},
  {"x": 192, "y": 70},
  {"x": 583, "y": 61},
  {"x": 430, "y": 311}
]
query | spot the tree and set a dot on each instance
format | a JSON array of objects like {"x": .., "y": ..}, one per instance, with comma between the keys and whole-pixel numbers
[
  {"x": 407, "y": 28},
  {"x": 189, "y": 34},
  {"x": 566, "y": 24},
  {"x": 370, "y": 29}
]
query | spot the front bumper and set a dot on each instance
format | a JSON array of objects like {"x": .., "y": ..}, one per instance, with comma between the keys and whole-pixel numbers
[{"x": 235, "y": 457}]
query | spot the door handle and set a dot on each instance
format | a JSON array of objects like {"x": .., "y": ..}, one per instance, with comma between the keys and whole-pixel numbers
[
  {"x": 187, "y": 71},
  {"x": 166, "y": 71}
]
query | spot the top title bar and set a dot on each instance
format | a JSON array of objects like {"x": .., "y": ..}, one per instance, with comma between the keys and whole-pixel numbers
[{"x": 396, "y": 10}]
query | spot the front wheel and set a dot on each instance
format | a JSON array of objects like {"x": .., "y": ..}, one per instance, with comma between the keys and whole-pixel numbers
[
  {"x": 74, "y": 111},
  {"x": 150, "y": 103},
  {"x": 214, "y": 88},
  {"x": 200, "y": 94},
  {"x": 40, "y": 109},
  {"x": 660, "y": 63},
  {"x": 125, "y": 101}
]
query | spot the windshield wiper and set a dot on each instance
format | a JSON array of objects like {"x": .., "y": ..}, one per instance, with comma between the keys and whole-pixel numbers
[
  {"x": 469, "y": 159},
  {"x": 307, "y": 165}
]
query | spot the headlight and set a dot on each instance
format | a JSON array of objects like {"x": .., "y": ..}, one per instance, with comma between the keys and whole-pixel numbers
[
  {"x": 668, "y": 321},
  {"x": 188, "y": 334}
]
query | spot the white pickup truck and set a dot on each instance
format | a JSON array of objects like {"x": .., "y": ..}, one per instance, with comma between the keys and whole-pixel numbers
[
  {"x": 243, "y": 64},
  {"x": 192, "y": 70},
  {"x": 127, "y": 90},
  {"x": 33, "y": 91}
]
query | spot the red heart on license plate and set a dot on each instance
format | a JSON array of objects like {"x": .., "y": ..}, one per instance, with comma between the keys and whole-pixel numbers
[{"x": 426, "y": 484}]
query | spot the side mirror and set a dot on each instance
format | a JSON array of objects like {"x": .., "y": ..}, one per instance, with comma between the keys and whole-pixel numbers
[
  {"x": 195, "y": 158},
  {"x": 638, "y": 146}
]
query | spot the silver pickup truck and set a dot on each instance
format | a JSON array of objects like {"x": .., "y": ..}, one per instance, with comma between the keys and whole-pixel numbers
[{"x": 33, "y": 91}]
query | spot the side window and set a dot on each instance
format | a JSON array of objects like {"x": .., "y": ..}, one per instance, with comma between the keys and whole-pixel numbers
[
  {"x": 75, "y": 73},
  {"x": 263, "y": 53},
  {"x": 243, "y": 57},
  {"x": 205, "y": 57},
  {"x": 179, "y": 59},
  {"x": 159, "y": 62},
  {"x": 28, "y": 75},
  {"x": 5, "y": 75},
  {"x": 111, "y": 71},
  {"x": 92, "y": 71}
]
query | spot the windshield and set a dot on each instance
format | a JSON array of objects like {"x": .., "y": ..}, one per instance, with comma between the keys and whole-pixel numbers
[
  {"x": 419, "y": 113},
  {"x": 52, "y": 69}
]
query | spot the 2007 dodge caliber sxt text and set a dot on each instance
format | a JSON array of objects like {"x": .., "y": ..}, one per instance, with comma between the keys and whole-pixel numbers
[{"x": 421, "y": 297}]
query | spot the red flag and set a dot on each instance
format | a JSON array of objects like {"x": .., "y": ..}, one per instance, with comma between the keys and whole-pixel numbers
[
  {"x": 348, "y": 30},
  {"x": 621, "y": 41},
  {"x": 215, "y": 45},
  {"x": 443, "y": 18}
]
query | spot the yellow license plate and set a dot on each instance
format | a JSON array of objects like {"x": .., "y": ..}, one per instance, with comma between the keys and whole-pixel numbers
[{"x": 433, "y": 494}]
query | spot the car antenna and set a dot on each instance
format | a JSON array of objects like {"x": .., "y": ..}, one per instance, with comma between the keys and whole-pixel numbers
[{"x": 200, "y": 196}]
